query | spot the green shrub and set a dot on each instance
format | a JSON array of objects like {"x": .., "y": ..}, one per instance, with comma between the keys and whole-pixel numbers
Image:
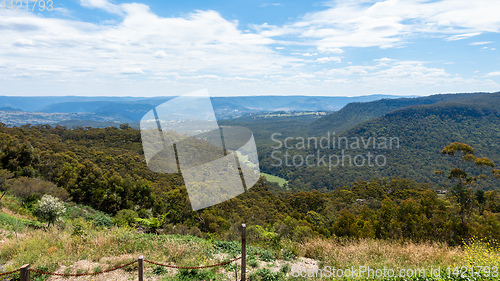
[
  {"x": 196, "y": 274},
  {"x": 9, "y": 222},
  {"x": 232, "y": 267},
  {"x": 287, "y": 255},
  {"x": 42, "y": 277},
  {"x": 49, "y": 209},
  {"x": 98, "y": 268},
  {"x": 125, "y": 217},
  {"x": 160, "y": 270},
  {"x": 231, "y": 247},
  {"x": 97, "y": 218},
  {"x": 265, "y": 274},
  {"x": 266, "y": 256},
  {"x": 286, "y": 268},
  {"x": 101, "y": 219},
  {"x": 253, "y": 263},
  {"x": 81, "y": 227}
]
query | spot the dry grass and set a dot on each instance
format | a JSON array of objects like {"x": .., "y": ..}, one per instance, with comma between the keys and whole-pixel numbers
[
  {"x": 54, "y": 248},
  {"x": 379, "y": 253},
  {"x": 81, "y": 247}
]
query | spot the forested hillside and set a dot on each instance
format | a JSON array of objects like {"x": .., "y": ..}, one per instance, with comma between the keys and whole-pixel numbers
[
  {"x": 358, "y": 112},
  {"x": 421, "y": 132},
  {"x": 105, "y": 169}
]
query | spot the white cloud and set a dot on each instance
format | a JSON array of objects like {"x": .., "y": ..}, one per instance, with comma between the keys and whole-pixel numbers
[
  {"x": 142, "y": 43},
  {"x": 349, "y": 70},
  {"x": 23, "y": 43},
  {"x": 304, "y": 75},
  {"x": 462, "y": 36},
  {"x": 390, "y": 72},
  {"x": 22, "y": 75},
  {"x": 160, "y": 54},
  {"x": 494, "y": 73},
  {"x": 480, "y": 43},
  {"x": 326, "y": 49},
  {"x": 102, "y": 4},
  {"x": 270, "y": 4},
  {"x": 170, "y": 55},
  {"x": 62, "y": 11},
  {"x": 391, "y": 23},
  {"x": 132, "y": 71},
  {"x": 399, "y": 77},
  {"x": 384, "y": 60},
  {"x": 208, "y": 76},
  {"x": 329, "y": 59}
]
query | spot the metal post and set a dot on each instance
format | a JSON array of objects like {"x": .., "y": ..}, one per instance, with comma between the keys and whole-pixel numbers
[
  {"x": 25, "y": 272},
  {"x": 243, "y": 251},
  {"x": 140, "y": 261}
]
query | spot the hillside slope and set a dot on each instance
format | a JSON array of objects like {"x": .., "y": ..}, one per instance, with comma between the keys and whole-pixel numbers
[
  {"x": 421, "y": 130},
  {"x": 358, "y": 112}
]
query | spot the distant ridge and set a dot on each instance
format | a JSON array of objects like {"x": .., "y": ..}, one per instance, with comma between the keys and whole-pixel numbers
[
  {"x": 131, "y": 109},
  {"x": 358, "y": 112},
  {"x": 8, "y": 108}
]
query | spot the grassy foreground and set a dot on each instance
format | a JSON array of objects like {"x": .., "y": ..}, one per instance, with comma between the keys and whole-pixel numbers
[
  {"x": 77, "y": 245},
  {"x": 62, "y": 250}
]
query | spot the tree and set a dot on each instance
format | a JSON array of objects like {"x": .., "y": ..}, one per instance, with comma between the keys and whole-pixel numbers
[
  {"x": 32, "y": 189},
  {"x": 4, "y": 176},
  {"x": 481, "y": 200},
  {"x": 345, "y": 224},
  {"x": 18, "y": 157},
  {"x": 49, "y": 209},
  {"x": 496, "y": 172},
  {"x": 464, "y": 153},
  {"x": 483, "y": 162}
]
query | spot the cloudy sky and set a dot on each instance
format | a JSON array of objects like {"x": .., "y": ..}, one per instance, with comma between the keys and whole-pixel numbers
[{"x": 249, "y": 47}]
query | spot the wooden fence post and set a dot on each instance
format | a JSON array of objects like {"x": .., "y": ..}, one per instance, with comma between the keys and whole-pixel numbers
[
  {"x": 140, "y": 261},
  {"x": 236, "y": 273},
  {"x": 243, "y": 251},
  {"x": 25, "y": 272}
]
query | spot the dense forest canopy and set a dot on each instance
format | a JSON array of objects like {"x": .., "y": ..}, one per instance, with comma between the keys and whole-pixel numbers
[
  {"x": 105, "y": 169},
  {"x": 423, "y": 127}
]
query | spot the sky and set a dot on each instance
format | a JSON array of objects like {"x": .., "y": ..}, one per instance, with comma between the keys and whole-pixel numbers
[{"x": 249, "y": 47}]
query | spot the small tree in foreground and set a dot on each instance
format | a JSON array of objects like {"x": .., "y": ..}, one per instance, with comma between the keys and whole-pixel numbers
[
  {"x": 461, "y": 154},
  {"x": 49, "y": 209}
]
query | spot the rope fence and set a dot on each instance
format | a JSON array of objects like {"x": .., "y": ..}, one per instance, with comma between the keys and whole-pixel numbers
[
  {"x": 192, "y": 267},
  {"x": 82, "y": 274},
  {"x": 25, "y": 269},
  {"x": 116, "y": 268},
  {"x": 10, "y": 272}
]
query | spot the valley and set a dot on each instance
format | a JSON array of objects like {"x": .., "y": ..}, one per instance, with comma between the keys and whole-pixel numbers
[{"x": 340, "y": 205}]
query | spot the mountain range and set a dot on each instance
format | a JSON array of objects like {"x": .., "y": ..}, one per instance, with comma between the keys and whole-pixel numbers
[
  {"x": 105, "y": 111},
  {"x": 423, "y": 127}
]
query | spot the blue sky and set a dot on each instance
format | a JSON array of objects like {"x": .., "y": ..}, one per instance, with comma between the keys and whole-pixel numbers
[{"x": 254, "y": 47}]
